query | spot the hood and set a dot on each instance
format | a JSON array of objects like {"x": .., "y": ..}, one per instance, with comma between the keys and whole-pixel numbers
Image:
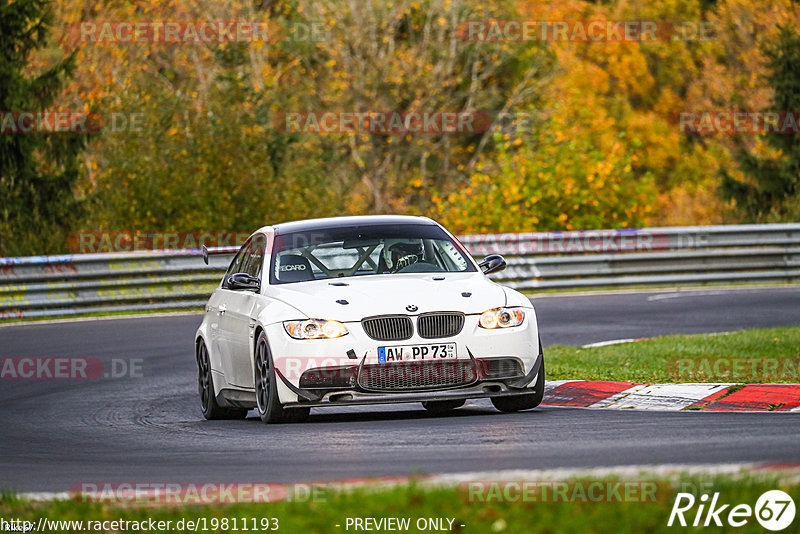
[{"x": 390, "y": 294}]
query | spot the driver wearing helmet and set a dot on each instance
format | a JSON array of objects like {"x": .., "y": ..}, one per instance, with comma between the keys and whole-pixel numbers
[{"x": 401, "y": 253}]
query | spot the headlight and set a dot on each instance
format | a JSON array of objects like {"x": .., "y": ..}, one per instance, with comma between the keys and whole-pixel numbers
[
  {"x": 501, "y": 318},
  {"x": 315, "y": 329}
]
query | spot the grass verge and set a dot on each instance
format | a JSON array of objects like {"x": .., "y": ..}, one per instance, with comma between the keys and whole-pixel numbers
[
  {"x": 569, "y": 513},
  {"x": 753, "y": 356}
]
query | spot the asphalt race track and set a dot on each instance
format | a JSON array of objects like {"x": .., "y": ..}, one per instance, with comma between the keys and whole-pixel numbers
[
  {"x": 57, "y": 433},
  {"x": 578, "y": 320}
]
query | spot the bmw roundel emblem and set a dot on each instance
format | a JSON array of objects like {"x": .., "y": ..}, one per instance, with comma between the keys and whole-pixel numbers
[{"x": 411, "y": 308}]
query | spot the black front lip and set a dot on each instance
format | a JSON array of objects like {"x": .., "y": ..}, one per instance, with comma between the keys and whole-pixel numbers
[{"x": 317, "y": 395}]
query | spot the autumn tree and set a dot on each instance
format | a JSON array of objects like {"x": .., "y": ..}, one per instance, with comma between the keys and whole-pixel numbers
[
  {"x": 210, "y": 112},
  {"x": 772, "y": 188},
  {"x": 409, "y": 56},
  {"x": 572, "y": 171},
  {"x": 582, "y": 155},
  {"x": 581, "y": 133},
  {"x": 37, "y": 170}
]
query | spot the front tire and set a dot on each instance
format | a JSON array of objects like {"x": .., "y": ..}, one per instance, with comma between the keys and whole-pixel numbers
[
  {"x": 269, "y": 406},
  {"x": 525, "y": 401},
  {"x": 205, "y": 383}
]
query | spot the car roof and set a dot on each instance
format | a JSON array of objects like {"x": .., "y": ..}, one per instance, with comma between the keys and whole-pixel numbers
[{"x": 349, "y": 221}]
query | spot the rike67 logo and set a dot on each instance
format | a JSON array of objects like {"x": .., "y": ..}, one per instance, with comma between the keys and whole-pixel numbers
[{"x": 774, "y": 510}]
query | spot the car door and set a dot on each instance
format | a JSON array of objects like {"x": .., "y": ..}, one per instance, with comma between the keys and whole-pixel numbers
[
  {"x": 237, "y": 322},
  {"x": 216, "y": 309}
]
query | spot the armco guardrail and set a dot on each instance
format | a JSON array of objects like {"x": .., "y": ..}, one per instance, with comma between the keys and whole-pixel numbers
[
  {"x": 664, "y": 256},
  {"x": 86, "y": 283}
]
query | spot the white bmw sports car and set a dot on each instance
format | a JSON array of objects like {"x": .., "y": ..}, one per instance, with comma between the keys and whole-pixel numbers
[{"x": 363, "y": 310}]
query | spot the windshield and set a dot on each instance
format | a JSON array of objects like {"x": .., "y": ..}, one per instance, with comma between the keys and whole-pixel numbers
[{"x": 365, "y": 250}]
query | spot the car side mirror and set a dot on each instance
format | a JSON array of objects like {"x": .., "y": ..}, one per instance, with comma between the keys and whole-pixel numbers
[
  {"x": 243, "y": 281},
  {"x": 493, "y": 263}
]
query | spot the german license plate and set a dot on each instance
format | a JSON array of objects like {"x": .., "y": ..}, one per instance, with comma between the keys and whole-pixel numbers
[{"x": 404, "y": 353}]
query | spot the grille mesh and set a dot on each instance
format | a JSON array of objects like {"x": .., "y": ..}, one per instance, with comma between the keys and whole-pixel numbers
[
  {"x": 438, "y": 325},
  {"x": 503, "y": 367},
  {"x": 405, "y": 376},
  {"x": 388, "y": 328}
]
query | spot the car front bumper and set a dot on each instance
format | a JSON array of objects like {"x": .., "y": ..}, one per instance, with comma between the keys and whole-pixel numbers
[
  {"x": 480, "y": 389},
  {"x": 293, "y": 358}
]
